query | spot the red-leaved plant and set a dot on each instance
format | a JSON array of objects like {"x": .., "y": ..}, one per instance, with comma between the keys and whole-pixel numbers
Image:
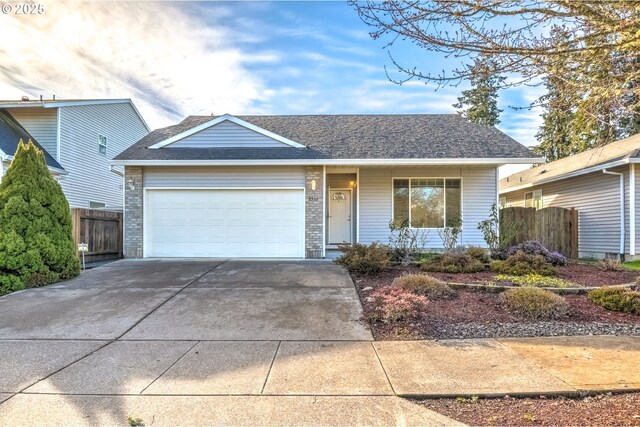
[{"x": 393, "y": 303}]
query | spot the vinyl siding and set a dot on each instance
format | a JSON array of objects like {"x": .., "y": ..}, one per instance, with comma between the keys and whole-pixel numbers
[
  {"x": 596, "y": 197},
  {"x": 224, "y": 177},
  {"x": 90, "y": 178},
  {"x": 227, "y": 134},
  {"x": 478, "y": 194},
  {"x": 42, "y": 124}
]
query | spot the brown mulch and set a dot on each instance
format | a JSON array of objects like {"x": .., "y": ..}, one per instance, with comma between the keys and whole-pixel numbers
[
  {"x": 471, "y": 307},
  {"x": 590, "y": 275},
  {"x": 603, "y": 410}
]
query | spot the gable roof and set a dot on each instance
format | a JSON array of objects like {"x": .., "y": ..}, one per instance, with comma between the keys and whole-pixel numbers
[
  {"x": 57, "y": 103},
  {"x": 343, "y": 138},
  {"x": 11, "y": 132},
  {"x": 617, "y": 153}
]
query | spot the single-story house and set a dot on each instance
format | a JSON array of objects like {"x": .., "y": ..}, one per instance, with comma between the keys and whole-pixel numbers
[
  {"x": 296, "y": 186},
  {"x": 600, "y": 183}
]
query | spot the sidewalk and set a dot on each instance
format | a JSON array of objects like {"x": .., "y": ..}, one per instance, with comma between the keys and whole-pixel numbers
[{"x": 75, "y": 382}]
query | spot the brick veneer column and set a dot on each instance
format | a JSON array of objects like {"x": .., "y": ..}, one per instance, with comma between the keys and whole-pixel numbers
[
  {"x": 314, "y": 215},
  {"x": 133, "y": 212}
]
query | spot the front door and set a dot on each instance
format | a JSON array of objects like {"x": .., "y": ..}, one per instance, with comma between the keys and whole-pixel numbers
[{"x": 340, "y": 216}]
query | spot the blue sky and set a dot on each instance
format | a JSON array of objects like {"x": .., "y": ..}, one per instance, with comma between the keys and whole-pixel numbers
[{"x": 176, "y": 59}]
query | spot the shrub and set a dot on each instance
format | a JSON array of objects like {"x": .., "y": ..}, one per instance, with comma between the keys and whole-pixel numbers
[
  {"x": 422, "y": 284},
  {"x": 392, "y": 303},
  {"x": 364, "y": 259},
  {"x": 533, "y": 247},
  {"x": 498, "y": 234},
  {"x": 610, "y": 264},
  {"x": 453, "y": 263},
  {"x": 535, "y": 303},
  {"x": 36, "y": 246},
  {"x": 537, "y": 280},
  {"x": 478, "y": 253},
  {"x": 617, "y": 299},
  {"x": 450, "y": 234},
  {"x": 406, "y": 243},
  {"x": 521, "y": 264}
]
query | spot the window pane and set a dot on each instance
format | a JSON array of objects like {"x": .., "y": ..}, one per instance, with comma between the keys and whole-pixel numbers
[
  {"x": 453, "y": 201},
  {"x": 401, "y": 201},
  {"x": 528, "y": 200},
  {"x": 427, "y": 203}
]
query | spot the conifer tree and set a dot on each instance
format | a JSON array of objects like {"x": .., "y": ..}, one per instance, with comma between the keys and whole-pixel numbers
[
  {"x": 36, "y": 243},
  {"x": 480, "y": 103}
]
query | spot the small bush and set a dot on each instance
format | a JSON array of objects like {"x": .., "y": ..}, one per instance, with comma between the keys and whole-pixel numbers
[
  {"x": 478, "y": 253},
  {"x": 610, "y": 264},
  {"x": 392, "y": 304},
  {"x": 533, "y": 247},
  {"x": 521, "y": 264},
  {"x": 422, "y": 284},
  {"x": 453, "y": 263},
  {"x": 617, "y": 299},
  {"x": 537, "y": 280},
  {"x": 535, "y": 303},
  {"x": 364, "y": 259}
]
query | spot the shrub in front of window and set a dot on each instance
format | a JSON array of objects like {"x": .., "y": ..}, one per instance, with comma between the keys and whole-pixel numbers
[
  {"x": 498, "y": 233},
  {"x": 422, "y": 284},
  {"x": 617, "y": 299},
  {"x": 450, "y": 234},
  {"x": 453, "y": 262},
  {"x": 533, "y": 247},
  {"x": 36, "y": 246},
  {"x": 520, "y": 264},
  {"x": 364, "y": 259},
  {"x": 392, "y": 304},
  {"x": 406, "y": 243},
  {"x": 535, "y": 303}
]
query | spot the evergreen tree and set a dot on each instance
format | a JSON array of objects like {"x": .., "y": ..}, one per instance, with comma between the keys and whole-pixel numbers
[
  {"x": 480, "y": 103},
  {"x": 36, "y": 245}
]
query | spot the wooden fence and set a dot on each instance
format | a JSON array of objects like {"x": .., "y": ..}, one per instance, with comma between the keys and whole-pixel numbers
[
  {"x": 556, "y": 228},
  {"x": 101, "y": 230}
]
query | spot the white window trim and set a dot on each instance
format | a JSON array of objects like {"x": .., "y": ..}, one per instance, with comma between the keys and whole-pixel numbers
[
  {"x": 533, "y": 193},
  {"x": 445, "y": 207},
  {"x": 106, "y": 143}
]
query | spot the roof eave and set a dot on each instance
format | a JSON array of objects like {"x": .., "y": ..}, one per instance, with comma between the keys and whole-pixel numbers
[
  {"x": 304, "y": 162},
  {"x": 573, "y": 174}
]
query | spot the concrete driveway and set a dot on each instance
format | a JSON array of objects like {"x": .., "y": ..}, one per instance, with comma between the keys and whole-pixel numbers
[{"x": 191, "y": 300}]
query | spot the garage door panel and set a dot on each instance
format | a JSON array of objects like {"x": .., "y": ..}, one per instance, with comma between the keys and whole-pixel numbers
[{"x": 224, "y": 223}]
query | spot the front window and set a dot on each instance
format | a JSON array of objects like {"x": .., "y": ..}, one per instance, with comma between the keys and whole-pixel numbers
[{"x": 427, "y": 202}]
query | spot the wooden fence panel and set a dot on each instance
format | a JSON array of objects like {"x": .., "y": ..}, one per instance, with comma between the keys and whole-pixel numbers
[
  {"x": 556, "y": 228},
  {"x": 101, "y": 230}
]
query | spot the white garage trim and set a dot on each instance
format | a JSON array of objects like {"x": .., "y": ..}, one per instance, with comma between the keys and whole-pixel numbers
[{"x": 145, "y": 234}]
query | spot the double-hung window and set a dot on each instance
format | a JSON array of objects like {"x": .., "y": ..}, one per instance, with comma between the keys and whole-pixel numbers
[
  {"x": 533, "y": 199},
  {"x": 427, "y": 202}
]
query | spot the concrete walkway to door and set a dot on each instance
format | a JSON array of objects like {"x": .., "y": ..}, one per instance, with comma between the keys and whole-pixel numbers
[{"x": 172, "y": 343}]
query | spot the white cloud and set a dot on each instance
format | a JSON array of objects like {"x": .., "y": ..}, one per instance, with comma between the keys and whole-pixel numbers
[{"x": 159, "y": 54}]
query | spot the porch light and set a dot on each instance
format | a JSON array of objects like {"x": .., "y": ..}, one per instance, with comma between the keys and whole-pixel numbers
[
  {"x": 352, "y": 184},
  {"x": 130, "y": 185},
  {"x": 313, "y": 184}
]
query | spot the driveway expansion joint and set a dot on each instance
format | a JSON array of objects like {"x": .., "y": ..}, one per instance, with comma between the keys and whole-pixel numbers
[
  {"x": 266, "y": 379},
  {"x": 170, "y": 366}
]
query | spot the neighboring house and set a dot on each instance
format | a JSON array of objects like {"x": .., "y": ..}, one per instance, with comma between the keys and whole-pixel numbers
[
  {"x": 295, "y": 186},
  {"x": 82, "y": 136},
  {"x": 10, "y": 135},
  {"x": 600, "y": 183}
]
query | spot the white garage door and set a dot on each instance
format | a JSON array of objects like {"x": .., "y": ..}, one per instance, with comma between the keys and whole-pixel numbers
[{"x": 224, "y": 223}]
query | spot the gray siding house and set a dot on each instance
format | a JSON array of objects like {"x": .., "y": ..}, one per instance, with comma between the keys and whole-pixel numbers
[
  {"x": 600, "y": 183},
  {"x": 296, "y": 186},
  {"x": 82, "y": 136}
]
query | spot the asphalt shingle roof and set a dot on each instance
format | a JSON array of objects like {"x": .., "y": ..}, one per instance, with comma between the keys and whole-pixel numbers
[
  {"x": 414, "y": 136},
  {"x": 11, "y": 132}
]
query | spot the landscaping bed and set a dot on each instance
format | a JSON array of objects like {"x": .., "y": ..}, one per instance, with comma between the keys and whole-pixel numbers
[
  {"x": 479, "y": 314},
  {"x": 601, "y": 410}
]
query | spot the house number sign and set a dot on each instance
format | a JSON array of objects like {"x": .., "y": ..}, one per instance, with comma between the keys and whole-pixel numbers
[{"x": 313, "y": 198}]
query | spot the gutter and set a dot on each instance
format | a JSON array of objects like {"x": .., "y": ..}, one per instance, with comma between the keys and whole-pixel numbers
[
  {"x": 116, "y": 171},
  {"x": 622, "y": 234}
]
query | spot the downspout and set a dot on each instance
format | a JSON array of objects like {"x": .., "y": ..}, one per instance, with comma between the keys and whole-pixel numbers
[{"x": 622, "y": 237}]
